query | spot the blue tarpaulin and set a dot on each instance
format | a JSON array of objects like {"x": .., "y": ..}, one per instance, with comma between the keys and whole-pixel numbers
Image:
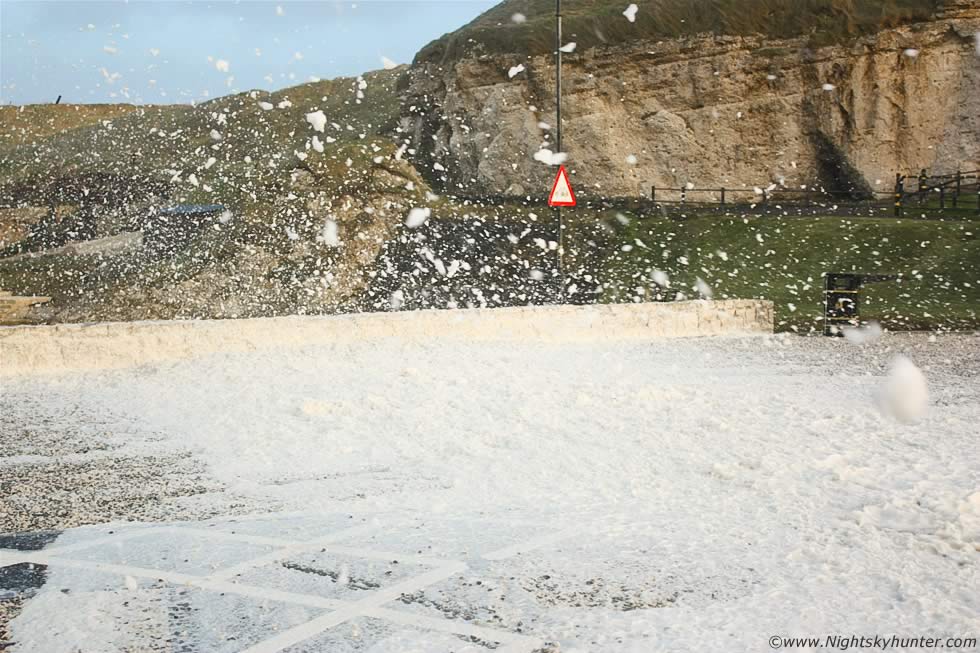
[{"x": 192, "y": 209}]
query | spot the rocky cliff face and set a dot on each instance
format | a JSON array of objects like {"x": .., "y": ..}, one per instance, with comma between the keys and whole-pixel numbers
[{"x": 711, "y": 111}]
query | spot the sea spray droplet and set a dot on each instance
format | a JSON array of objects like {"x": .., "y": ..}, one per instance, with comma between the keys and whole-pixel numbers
[
  {"x": 417, "y": 217},
  {"x": 703, "y": 288},
  {"x": 331, "y": 236},
  {"x": 862, "y": 335},
  {"x": 396, "y": 300},
  {"x": 546, "y": 156},
  {"x": 317, "y": 120}
]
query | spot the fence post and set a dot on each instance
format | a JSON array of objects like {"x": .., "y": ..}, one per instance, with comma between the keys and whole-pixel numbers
[
  {"x": 899, "y": 191},
  {"x": 956, "y": 197},
  {"x": 653, "y": 194},
  {"x": 942, "y": 198},
  {"x": 978, "y": 197},
  {"x": 922, "y": 183},
  {"x": 683, "y": 194},
  {"x": 723, "y": 196}
]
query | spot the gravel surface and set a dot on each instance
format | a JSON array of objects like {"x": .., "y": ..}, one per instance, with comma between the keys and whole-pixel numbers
[
  {"x": 64, "y": 468},
  {"x": 67, "y": 466}
]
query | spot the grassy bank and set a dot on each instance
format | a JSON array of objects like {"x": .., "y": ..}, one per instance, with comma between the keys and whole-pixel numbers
[
  {"x": 597, "y": 22},
  {"x": 497, "y": 255},
  {"x": 783, "y": 259},
  {"x": 236, "y": 150}
]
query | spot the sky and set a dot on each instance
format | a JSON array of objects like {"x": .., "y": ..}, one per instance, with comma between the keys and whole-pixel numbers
[{"x": 161, "y": 52}]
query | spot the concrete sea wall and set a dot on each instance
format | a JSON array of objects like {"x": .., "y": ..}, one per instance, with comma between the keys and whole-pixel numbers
[{"x": 75, "y": 347}]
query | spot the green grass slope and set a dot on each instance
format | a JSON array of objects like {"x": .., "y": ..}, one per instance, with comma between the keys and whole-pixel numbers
[
  {"x": 596, "y": 22},
  {"x": 35, "y": 122},
  {"x": 253, "y": 150},
  {"x": 253, "y": 153},
  {"x": 784, "y": 260}
]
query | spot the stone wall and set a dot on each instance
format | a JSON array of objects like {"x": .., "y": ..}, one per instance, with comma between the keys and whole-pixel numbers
[{"x": 64, "y": 348}]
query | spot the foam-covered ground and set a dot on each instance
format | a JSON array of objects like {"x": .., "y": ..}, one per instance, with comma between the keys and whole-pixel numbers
[{"x": 702, "y": 494}]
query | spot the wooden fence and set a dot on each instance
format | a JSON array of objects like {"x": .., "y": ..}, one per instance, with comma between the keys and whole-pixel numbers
[{"x": 913, "y": 195}]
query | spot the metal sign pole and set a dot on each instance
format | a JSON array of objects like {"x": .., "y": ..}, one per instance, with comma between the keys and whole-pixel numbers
[{"x": 561, "y": 226}]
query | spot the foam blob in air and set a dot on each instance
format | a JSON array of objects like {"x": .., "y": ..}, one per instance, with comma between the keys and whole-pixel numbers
[
  {"x": 863, "y": 334},
  {"x": 905, "y": 393}
]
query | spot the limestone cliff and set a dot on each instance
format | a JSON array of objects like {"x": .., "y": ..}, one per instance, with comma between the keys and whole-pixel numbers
[{"x": 709, "y": 110}]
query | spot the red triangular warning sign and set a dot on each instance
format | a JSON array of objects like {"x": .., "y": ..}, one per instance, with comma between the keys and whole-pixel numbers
[{"x": 561, "y": 193}]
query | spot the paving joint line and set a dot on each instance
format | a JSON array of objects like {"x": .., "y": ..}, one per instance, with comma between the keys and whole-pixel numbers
[
  {"x": 279, "y": 554},
  {"x": 361, "y": 608},
  {"x": 341, "y": 611}
]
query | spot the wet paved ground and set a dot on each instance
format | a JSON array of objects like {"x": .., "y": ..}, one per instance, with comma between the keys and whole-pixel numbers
[
  {"x": 296, "y": 577},
  {"x": 669, "y": 496}
]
